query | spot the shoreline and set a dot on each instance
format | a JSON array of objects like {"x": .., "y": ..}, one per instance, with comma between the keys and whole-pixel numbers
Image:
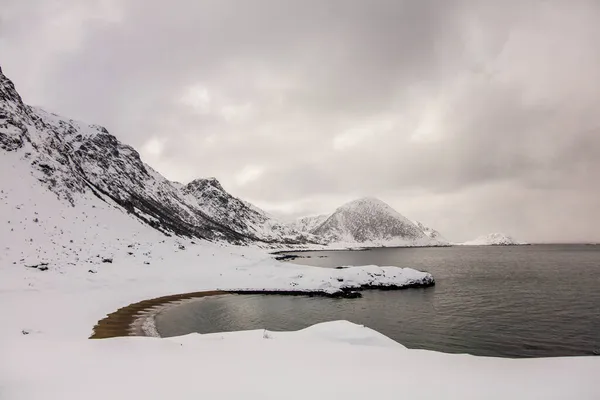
[
  {"x": 364, "y": 248},
  {"x": 123, "y": 322},
  {"x": 136, "y": 319}
]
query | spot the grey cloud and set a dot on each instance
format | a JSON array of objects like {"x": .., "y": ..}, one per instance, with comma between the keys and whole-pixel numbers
[{"x": 437, "y": 107}]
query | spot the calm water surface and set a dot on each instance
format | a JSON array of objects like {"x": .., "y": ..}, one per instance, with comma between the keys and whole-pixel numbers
[{"x": 525, "y": 301}]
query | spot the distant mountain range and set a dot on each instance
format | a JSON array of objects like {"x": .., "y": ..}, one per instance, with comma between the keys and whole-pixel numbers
[
  {"x": 74, "y": 160},
  {"x": 493, "y": 239}
]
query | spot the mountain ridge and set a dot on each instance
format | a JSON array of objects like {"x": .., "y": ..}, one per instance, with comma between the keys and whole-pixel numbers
[{"x": 72, "y": 159}]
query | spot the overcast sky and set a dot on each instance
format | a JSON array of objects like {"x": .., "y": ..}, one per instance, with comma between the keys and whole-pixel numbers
[{"x": 471, "y": 116}]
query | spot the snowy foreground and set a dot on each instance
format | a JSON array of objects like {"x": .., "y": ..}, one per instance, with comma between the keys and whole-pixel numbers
[
  {"x": 57, "y": 310},
  {"x": 332, "y": 360}
]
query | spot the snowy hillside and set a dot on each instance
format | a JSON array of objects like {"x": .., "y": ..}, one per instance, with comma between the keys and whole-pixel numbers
[
  {"x": 307, "y": 224},
  {"x": 75, "y": 160},
  {"x": 430, "y": 232},
  {"x": 371, "y": 222},
  {"x": 493, "y": 239},
  {"x": 210, "y": 197}
]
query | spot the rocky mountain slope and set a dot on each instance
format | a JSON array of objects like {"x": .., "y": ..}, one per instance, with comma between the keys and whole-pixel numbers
[
  {"x": 74, "y": 161},
  {"x": 430, "y": 232},
  {"x": 370, "y": 221},
  {"x": 210, "y": 197},
  {"x": 307, "y": 224},
  {"x": 493, "y": 239},
  {"x": 72, "y": 158}
]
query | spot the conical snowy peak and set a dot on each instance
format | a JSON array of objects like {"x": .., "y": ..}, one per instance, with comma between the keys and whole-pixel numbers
[
  {"x": 365, "y": 203},
  {"x": 369, "y": 220}
]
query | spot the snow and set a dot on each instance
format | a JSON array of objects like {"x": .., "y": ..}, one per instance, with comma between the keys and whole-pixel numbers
[
  {"x": 493, "y": 239},
  {"x": 332, "y": 360},
  {"x": 308, "y": 223},
  {"x": 209, "y": 196},
  {"x": 430, "y": 232}
]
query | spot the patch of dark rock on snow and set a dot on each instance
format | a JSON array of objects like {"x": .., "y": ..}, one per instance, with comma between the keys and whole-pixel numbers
[
  {"x": 40, "y": 267},
  {"x": 287, "y": 257}
]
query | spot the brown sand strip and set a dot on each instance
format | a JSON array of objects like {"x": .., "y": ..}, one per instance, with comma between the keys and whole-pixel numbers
[{"x": 119, "y": 323}]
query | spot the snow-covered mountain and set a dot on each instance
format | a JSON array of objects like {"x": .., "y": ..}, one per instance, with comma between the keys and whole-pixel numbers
[
  {"x": 370, "y": 221},
  {"x": 71, "y": 158},
  {"x": 430, "y": 232},
  {"x": 74, "y": 160},
  {"x": 493, "y": 239},
  {"x": 307, "y": 224},
  {"x": 210, "y": 197}
]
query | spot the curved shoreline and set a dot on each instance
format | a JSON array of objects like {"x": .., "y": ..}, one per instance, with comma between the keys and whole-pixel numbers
[
  {"x": 123, "y": 321},
  {"x": 136, "y": 318},
  {"x": 132, "y": 320}
]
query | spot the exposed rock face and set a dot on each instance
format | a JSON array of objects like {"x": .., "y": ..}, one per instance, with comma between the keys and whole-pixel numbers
[
  {"x": 71, "y": 157},
  {"x": 12, "y": 113},
  {"x": 368, "y": 220}
]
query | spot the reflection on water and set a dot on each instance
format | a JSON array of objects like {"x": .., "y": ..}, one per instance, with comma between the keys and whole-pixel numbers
[{"x": 497, "y": 301}]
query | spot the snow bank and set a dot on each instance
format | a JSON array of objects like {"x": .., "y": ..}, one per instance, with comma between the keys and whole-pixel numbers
[{"x": 338, "y": 360}]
